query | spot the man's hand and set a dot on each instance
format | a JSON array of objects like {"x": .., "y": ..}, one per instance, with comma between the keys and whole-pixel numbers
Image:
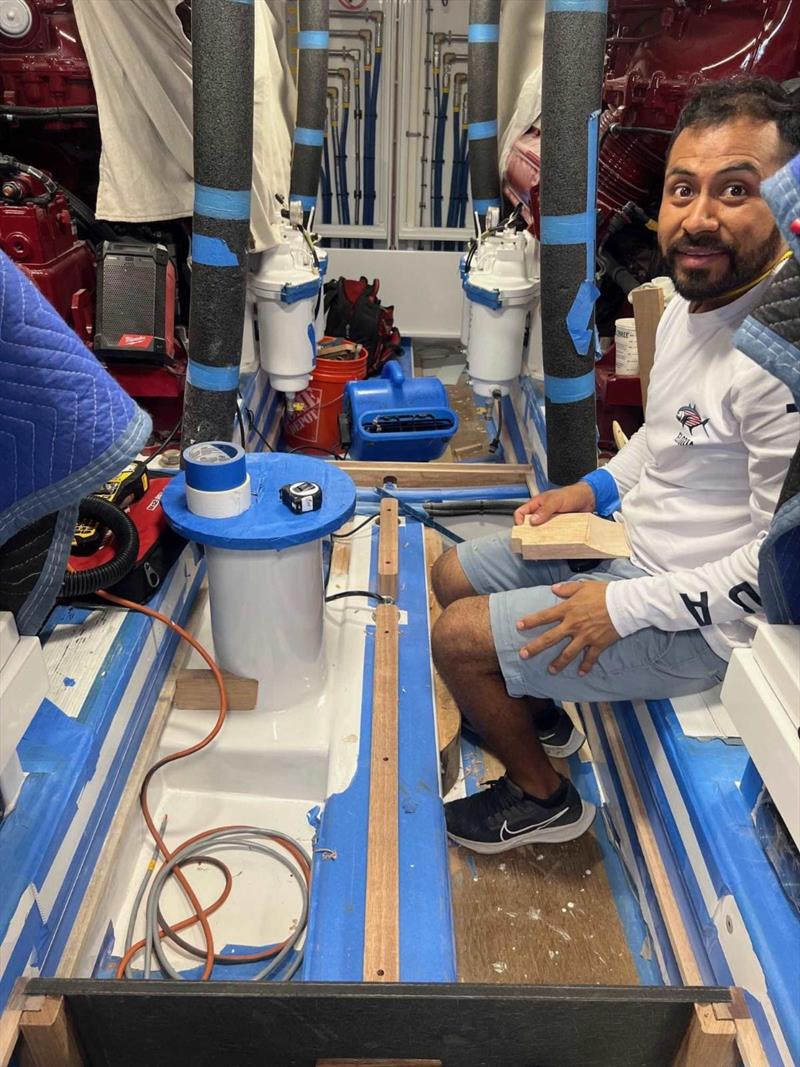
[
  {"x": 572, "y": 498},
  {"x": 583, "y": 616}
]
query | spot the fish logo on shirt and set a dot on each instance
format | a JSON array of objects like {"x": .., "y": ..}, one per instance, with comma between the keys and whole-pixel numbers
[{"x": 689, "y": 417}]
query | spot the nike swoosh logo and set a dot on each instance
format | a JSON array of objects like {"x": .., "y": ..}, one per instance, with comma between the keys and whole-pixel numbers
[{"x": 506, "y": 833}]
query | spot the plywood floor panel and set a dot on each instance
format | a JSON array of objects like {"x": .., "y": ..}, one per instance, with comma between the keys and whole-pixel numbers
[{"x": 541, "y": 914}]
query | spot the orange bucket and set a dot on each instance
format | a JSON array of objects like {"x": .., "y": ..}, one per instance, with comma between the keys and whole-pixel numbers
[{"x": 314, "y": 422}]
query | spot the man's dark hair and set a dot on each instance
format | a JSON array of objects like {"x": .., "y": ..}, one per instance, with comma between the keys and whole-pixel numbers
[{"x": 762, "y": 99}]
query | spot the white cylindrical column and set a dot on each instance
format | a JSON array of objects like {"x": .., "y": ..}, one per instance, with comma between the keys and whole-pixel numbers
[{"x": 267, "y": 619}]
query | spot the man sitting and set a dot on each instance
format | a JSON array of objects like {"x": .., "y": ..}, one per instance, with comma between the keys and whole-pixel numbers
[{"x": 696, "y": 487}]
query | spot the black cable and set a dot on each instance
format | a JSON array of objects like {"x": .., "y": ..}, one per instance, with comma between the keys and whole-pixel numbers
[
  {"x": 252, "y": 420},
  {"x": 498, "y": 398},
  {"x": 143, "y": 464},
  {"x": 355, "y": 529},
  {"x": 360, "y": 592},
  {"x": 240, "y": 421},
  {"x": 315, "y": 448}
]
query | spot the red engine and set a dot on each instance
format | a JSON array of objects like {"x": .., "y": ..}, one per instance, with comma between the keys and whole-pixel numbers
[{"x": 37, "y": 232}]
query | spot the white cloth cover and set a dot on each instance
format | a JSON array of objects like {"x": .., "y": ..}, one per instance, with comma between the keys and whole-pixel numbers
[{"x": 141, "y": 64}]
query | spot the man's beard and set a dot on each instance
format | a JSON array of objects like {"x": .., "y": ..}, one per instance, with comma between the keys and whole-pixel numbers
[{"x": 743, "y": 267}]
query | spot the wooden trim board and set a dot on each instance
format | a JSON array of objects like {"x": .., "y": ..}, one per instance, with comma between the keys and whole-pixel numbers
[
  {"x": 382, "y": 910},
  {"x": 448, "y": 717},
  {"x": 388, "y": 548},
  {"x": 435, "y": 475},
  {"x": 49, "y": 1037}
]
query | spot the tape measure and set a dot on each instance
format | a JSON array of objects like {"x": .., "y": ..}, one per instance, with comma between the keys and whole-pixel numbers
[{"x": 301, "y": 497}]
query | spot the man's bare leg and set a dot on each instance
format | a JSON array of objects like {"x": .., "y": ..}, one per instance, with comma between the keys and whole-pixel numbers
[{"x": 464, "y": 654}]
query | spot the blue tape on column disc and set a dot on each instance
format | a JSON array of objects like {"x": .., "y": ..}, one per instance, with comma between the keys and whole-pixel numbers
[
  {"x": 483, "y": 33},
  {"x": 214, "y": 466},
  {"x": 480, "y": 131},
  {"x": 221, "y": 203},
  {"x": 482, "y": 206},
  {"x": 568, "y": 390},
  {"x": 314, "y": 40},
  {"x": 305, "y": 135},
  {"x": 212, "y": 252},
  {"x": 564, "y": 229},
  {"x": 597, "y": 7},
  {"x": 212, "y": 379}
]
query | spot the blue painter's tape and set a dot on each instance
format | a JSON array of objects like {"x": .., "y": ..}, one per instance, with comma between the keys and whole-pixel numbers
[
  {"x": 579, "y": 316},
  {"x": 568, "y": 390},
  {"x": 212, "y": 252},
  {"x": 489, "y": 298},
  {"x": 482, "y": 206},
  {"x": 307, "y": 202},
  {"x": 221, "y": 203},
  {"x": 480, "y": 131},
  {"x": 214, "y": 466},
  {"x": 245, "y": 3},
  {"x": 291, "y": 294},
  {"x": 483, "y": 33},
  {"x": 563, "y": 229},
  {"x": 598, "y": 7},
  {"x": 305, "y": 135},
  {"x": 313, "y": 40},
  {"x": 212, "y": 379}
]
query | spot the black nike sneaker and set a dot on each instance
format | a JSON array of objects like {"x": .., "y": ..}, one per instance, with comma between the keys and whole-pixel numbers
[
  {"x": 502, "y": 817},
  {"x": 559, "y": 737}
]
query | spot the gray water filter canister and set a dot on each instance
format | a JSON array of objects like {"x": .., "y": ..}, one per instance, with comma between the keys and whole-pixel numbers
[{"x": 264, "y": 563}]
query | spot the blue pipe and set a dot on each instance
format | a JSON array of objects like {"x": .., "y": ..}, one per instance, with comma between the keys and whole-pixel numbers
[
  {"x": 455, "y": 172},
  {"x": 326, "y": 181},
  {"x": 343, "y": 167},
  {"x": 371, "y": 122}
]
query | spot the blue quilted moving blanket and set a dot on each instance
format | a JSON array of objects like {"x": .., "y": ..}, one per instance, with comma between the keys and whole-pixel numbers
[
  {"x": 770, "y": 335},
  {"x": 65, "y": 428}
]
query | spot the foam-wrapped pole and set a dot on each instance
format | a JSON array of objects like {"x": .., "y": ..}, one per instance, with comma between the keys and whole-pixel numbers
[
  {"x": 222, "y": 50},
  {"x": 572, "y": 78},
  {"x": 312, "y": 87},
  {"x": 482, "y": 38}
]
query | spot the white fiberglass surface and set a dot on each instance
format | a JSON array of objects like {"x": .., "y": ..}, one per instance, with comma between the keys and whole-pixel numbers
[{"x": 266, "y": 769}]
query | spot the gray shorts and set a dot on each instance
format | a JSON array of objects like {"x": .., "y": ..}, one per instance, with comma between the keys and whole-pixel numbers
[{"x": 649, "y": 664}]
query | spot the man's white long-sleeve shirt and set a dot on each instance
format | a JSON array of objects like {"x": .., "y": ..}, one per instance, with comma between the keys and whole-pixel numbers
[{"x": 699, "y": 482}]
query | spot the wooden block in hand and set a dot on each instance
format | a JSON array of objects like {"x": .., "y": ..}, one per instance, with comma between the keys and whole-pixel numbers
[{"x": 571, "y": 537}]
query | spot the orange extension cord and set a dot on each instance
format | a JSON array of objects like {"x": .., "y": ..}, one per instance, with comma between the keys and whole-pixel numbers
[{"x": 199, "y": 914}]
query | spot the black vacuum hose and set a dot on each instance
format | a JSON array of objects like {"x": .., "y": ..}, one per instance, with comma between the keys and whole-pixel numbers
[
  {"x": 483, "y": 36},
  {"x": 78, "y": 584},
  {"x": 312, "y": 89}
]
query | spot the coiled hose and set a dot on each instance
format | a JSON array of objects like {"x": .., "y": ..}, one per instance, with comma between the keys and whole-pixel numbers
[{"x": 78, "y": 584}]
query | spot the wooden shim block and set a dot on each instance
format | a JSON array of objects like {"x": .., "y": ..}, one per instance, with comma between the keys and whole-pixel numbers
[
  {"x": 571, "y": 537},
  {"x": 9, "y": 1021},
  {"x": 435, "y": 475},
  {"x": 747, "y": 1040},
  {"x": 49, "y": 1036},
  {"x": 388, "y": 548},
  {"x": 448, "y": 717},
  {"x": 382, "y": 911},
  {"x": 197, "y": 689},
  {"x": 379, "y": 1063},
  {"x": 648, "y": 307}
]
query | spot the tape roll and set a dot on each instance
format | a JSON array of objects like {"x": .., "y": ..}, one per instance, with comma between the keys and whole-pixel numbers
[{"x": 214, "y": 466}]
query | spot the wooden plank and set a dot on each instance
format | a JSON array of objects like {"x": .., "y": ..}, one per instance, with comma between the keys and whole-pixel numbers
[
  {"x": 448, "y": 717},
  {"x": 49, "y": 1037},
  {"x": 388, "y": 548},
  {"x": 571, "y": 537},
  {"x": 648, "y": 307},
  {"x": 708, "y": 1041},
  {"x": 435, "y": 475},
  {"x": 9, "y": 1021},
  {"x": 196, "y": 688},
  {"x": 106, "y": 866},
  {"x": 540, "y": 915},
  {"x": 382, "y": 911}
]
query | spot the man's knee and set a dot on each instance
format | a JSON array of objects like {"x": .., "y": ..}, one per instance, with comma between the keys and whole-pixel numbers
[
  {"x": 448, "y": 579},
  {"x": 462, "y": 635}
]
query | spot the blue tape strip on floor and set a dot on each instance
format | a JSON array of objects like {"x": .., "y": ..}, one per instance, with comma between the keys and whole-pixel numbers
[
  {"x": 659, "y": 930},
  {"x": 60, "y": 755},
  {"x": 633, "y": 925},
  {"x": 706, "y": 773},
  {"x": 427, "y": 949}
]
